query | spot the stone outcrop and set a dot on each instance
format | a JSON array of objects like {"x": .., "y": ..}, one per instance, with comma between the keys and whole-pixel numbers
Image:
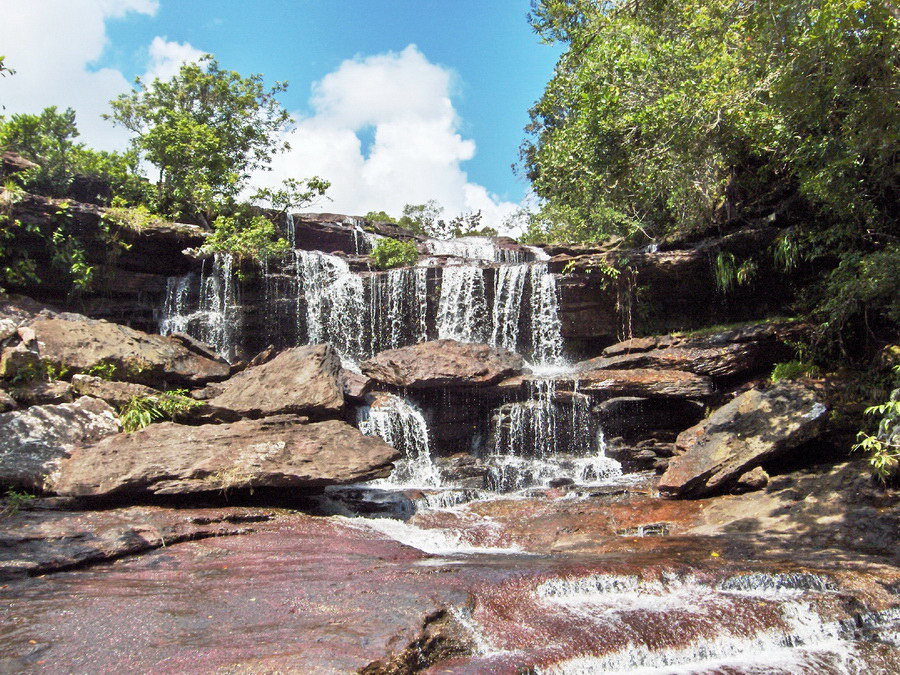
[
  {"x": 757, "y": 426},
  {"x": 443, "y": 363},
  {"x": 633, "y": 417},
  {"x": 33, "y": 441},
  {"x": 43, "y": 392},
  {"x": 302, "y": 380},
  {"x": 643, "y": 383},
  {"x": 275, "y": 452},
  {"x": 115, "y": 393},
  {"x": 82, "y": 344},
  {"x": 725, "y": 354}
]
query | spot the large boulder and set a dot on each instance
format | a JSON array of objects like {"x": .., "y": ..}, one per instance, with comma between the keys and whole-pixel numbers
[
  {"x": 83, "y": 344},
  {"x": 302, "y": 380},
  {"x": 34, "y": 441},
  {"x": 443, "y": 363},
  {"x": 113, "y": 392},
  {"x": 646, "y": 383},
  {"x": 274, "y": 452},
  {"x": 757, "y": 426}
]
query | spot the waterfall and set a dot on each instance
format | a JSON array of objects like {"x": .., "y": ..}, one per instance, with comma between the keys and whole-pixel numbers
[
  {"x": 462, "y": 309},
  {"x": 398, "y": 308},
  {"x": 539, "y": 440},
  {"x": 212, "y": 314},
  {"x": 509, "y": 289},
  {"x": 546, "y": 329},
  {"x": 363, "y": 242},
  {"x": 400, "y": 424},
  {"x": 291, "y": 228}
]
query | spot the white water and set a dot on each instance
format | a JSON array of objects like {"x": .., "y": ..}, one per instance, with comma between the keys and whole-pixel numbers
[
  {"x": 400, "y": 424},
  {"x": 509, "y": 289},
  {"x": 462, "y": 309},
  {"x": 546, "y": 330}
]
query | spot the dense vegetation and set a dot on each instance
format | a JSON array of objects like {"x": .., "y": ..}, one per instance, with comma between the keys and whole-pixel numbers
[{"x": 389, "y": 253}]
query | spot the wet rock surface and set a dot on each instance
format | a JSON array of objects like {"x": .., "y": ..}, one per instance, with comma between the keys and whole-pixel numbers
[
  {"x": 757, "y": 426},
  {"x": 281, "y": 451},
  {"x": 443, "y": 363},
  {"x": 302, "y": 380},
  {"x": 33, "y": 441}
]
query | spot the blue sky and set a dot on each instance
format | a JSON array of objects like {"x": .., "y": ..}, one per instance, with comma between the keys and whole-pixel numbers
[{"x": 483, "y": 54}]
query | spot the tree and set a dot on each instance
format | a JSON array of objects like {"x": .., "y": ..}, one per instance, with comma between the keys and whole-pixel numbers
[
  {"x": 205, "y": 130},
  {"x": 4, "y": 69},
  {"x": 423, "y": 219}
]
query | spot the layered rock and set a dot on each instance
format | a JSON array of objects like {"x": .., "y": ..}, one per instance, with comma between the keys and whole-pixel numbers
[
  {"x": 302, "y": 380},
  {"x": 80, "y": 344},
  {"x": 115, "y": 393},
  {"x": 35, "y": 440},
  {"x": 443, "y": 363},
  {"x": 275, "y": 452},
  {"x": 757, "y": 426}
]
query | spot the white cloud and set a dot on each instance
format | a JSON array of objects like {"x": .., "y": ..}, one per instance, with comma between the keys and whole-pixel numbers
[
  {"x": 417, "y": 150},
  {"x": 167, "y": 57},
  {"x": 51, "y": 45}
]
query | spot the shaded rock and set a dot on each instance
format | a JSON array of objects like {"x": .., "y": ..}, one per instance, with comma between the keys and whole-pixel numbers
[
  {"x": 443, "y": 363},
  {"x": 19, "y": 362},
  {"x": 632, "y": 416},
  {"x": 278, "y": 452},
  {"x": 43, "y": 392},
  {"x": 33, "y": 441},
  {"x": 643, "y": 382},
  {"x": 300, "y": 380},
  {"x": 194, "y": 345},
  {"x": 137, "y": 356},
  {"x": 13, "y": 162},
  {"x": 755, "y": 427},
  {"x": 755, "y": 479},
  {"x": 264, "y": 356},
  {"x": 8, "y": 329},
  {"x": 463, "y": 469},
  {"x": 356, "y": 385},
  {"x": 7, "y": 402},
  {"x": 113, "y": 392},
  {"x": 39, "y": 541}
]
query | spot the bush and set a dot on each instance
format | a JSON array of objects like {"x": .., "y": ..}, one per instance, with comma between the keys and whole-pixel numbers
[
  {"x": 142, "y": 411},
  {"x": 245, "y": 237},
  {"x": 791, "y": 370},
  {"x": 380, "y": 217},
  {"x": 390, "y": 253}
]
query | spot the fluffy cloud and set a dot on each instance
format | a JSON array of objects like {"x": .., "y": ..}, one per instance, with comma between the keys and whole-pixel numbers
[
  {"x": 51, "y": 45},
  {"x": 404, "y": 102}
]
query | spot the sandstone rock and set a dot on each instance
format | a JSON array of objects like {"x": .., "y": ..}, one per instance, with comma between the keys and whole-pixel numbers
[
  {"x": 33, "y": 441},
  {"x": 633, "y": 417},
  {"x": 356, "y": 385},
  {"x": 277, "y": 452},
  {"x": 8, "y": 329},
  {"x": 7, "y": 402},
  {"x": 642, "y": 382},
  {"x": 755, "y": 427},
  {"x": 43, "y": 392},
  {"x": 13, "y": 162},
  {"x": 115, "y": 393},
  {"x": 19, "y": 362},
  {"x": 755, "y": 479},
  {"x": 300, "y": 380},
  {"x": 443, "y": 363},
  {"x": 137, "y": 356}
]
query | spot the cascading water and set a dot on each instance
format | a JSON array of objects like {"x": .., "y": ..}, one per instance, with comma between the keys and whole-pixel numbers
[
  {"x": 462, "y": 310},
  {"x": 546, "y": 329},
  {"x": 401, "y": 425},
  {"x": 398, "y": 308},
  {"x": 210, "y": 313},
  {"x": 509, "y": 289}
]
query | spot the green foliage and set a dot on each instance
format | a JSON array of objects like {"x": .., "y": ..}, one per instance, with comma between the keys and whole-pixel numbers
[
  {"x": 729, "y": 273},
  {"x": 389, "y": 253},
  {"x": 423, "y": 219},
  {"x": 469, "y": 225},
  {"x": 14, "y": 501},
  {"x": 104, "y": 370},
  {"x": 883, "y": 446},
  {"x": 142, "y": 411},
  {"x": 15, "y": 267},
  {"x": 205, "y": 130},
  {"x": 380, "y": 217},
  {"x": 791, "y": 370},
  {"x": 246, "y": 237},
  {"x": 68, "y": 252},
  {"x": 4, "y": 69},
  {"x": 134, "y": 218}
]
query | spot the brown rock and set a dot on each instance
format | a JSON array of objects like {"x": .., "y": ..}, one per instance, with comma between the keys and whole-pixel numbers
[
  {"x": 443, "y": 363},
  {"x": 645, "y": 383},
  {"x": 300, "y": 380},
  {"x": 755, "y": 479},
  {"x": 33, "y": 441},
  {"x": 278, "y": 452},
  {"x": 137, "y": 356},
  {"x": 7, "y": 402},
  {"x": 19, "y": 362},
  {"x": 43, "y": 392},
  {"x": 755, "y": 427},
  {"x": 113, "y": 392},
  {"x": 356, "y": 385}
]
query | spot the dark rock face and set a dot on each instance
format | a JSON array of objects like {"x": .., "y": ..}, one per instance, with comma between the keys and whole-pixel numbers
[
  {"x": 278, "y": 452},
  {"x": 443, "y": 363},
  {"x": 303, "y": 380},
  {"x": 81, "y": 344},
  {"x": 42, "y": 392},
  {"x": 33, "y": 441},
  {"x": 755, "y": 427},
  {"x": 632, "y": 417}
]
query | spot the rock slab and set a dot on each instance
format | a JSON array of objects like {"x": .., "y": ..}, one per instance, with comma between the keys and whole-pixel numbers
[
  {"x": 278, "y": 452},
  {"x": 757, "y": 426},
  {"x": 302, "y": 380},
  {"x": 443, "y": 363},
  {"x": 35, "y": 440}
]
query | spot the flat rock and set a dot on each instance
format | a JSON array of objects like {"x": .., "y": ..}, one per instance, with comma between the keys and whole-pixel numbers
[
  {"x": 43, "y": 392},
  {"x": 280, "y": 452},
  {"x": 33, "y": 441},
  {"x": 757, "y": 426},
  {"x": 113, "y": 392},
  {"x": 302, "y": 380},
  {"x": 644, "y": 382},
  {"x": 443, "y": 363},
  {"x": 81, "y": 344}
]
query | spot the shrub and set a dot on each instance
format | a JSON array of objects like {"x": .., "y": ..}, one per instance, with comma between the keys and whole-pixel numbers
[
  {"x": 390, "y": 253},
  {"x": 791, "y": 370},
  {"x": 245, "y": 237},
  {"x": 142, "y": 411}
]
